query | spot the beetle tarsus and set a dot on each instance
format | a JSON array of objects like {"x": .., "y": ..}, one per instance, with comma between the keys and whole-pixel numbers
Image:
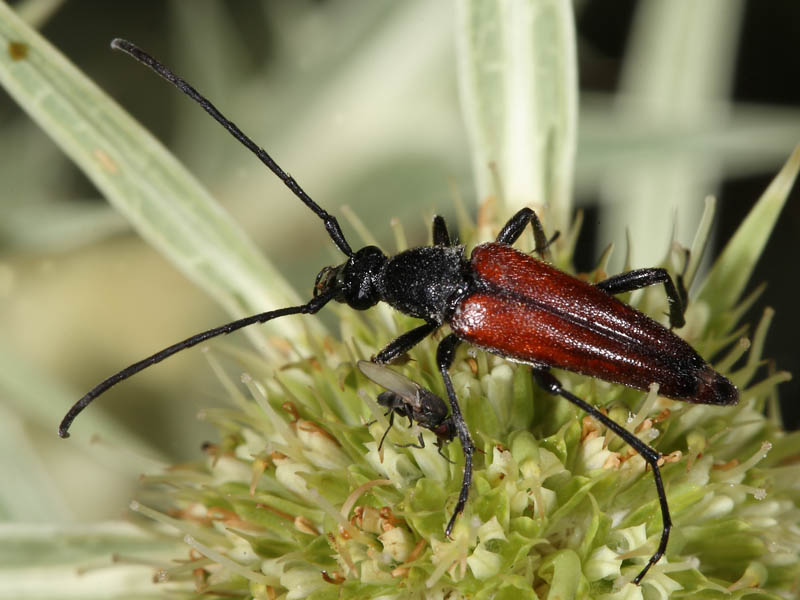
[
  {"x": 516, "y": 225},
  {"x": 441, "y": 237}
]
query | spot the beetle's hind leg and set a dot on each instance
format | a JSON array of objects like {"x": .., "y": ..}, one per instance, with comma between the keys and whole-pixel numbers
[
  {"x": 444, "y": 358},
  {"x": 516, "y": 225},
  {"x": 641, "y": 278},
  {"x": 550, "y": 384}
]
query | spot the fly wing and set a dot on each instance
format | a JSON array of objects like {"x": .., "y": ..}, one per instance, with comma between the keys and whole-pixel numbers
[{"x": 393, "y": 381}]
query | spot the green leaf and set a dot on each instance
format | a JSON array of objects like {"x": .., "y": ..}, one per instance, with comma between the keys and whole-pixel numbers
[
  {"x": 725, "y": 283},
  {"x": 163, "y": 202},
  {"x": 518, "y": 87},
  {"x": 49, "y": 561}
]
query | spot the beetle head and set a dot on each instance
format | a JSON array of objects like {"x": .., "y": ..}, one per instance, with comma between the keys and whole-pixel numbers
[{"x": 356, "y": 281}]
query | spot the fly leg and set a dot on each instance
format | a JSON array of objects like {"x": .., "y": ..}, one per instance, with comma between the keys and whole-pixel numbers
[
  {"x": 444, "y": 358},
  {"x": 550, "y": 384},
  {"x": 640, "y": 278},
  {"x": 385, "y": 433},
  {"x": 419, "y": 446}
]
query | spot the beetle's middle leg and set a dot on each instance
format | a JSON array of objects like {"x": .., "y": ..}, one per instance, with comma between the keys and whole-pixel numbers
[{"x": 516, "y": 225}]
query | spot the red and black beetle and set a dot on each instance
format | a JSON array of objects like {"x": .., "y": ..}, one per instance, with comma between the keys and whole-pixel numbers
[{"x": 498, "y": 299}]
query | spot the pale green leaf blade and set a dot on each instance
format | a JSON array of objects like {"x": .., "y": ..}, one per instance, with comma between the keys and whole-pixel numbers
[
  {"x": 164, "y": 202},
  {"x": 76, "y": 561},
  {"x": 732, "y": 270},
  {"x": 518, "y": 87}
]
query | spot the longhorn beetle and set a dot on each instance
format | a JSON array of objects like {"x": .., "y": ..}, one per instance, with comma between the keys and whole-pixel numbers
[{"x": 498, "y": 299}]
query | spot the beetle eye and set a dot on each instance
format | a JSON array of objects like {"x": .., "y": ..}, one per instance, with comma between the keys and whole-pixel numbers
[{"x": 326, "y": 280}]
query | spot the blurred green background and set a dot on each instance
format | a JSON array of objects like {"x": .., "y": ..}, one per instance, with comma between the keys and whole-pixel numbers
[{"x": 359, "y": 101}]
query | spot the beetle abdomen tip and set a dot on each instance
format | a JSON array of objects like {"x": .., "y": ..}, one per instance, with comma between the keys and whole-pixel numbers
[{"x": 714, "y": 388}]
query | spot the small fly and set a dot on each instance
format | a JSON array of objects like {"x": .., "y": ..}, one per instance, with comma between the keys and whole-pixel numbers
[{"x": 406, "y": 398}]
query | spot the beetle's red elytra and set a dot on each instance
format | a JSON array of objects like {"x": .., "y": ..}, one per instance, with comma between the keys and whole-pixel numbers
[{"x": 535, "y": 314}]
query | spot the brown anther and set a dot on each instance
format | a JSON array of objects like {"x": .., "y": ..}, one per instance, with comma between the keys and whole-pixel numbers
[
  {"x": 473, "y": 365},
  {"x": 275, "y": 455},
  {"x": 304, "y": 525},
  {"x": 645, "y": 425},
  {"x": 416, "y": 552},
  {"x": 259, "y": 466},
  {"x": 613, "y": 461},
  {"x": 589, "y": 429},
  {"x": 335, "y": 577},
  {"x": 290, "y": 408},
  {"x": 310, "y": 427},
  {"x": 628, "y": 455},
  {"x": 217, "y": 513},
  {"x": 662, "y": 416},
  {"x": 188, "y": 514},
  {"x": 200, "y": 576},
  {"x": 400, "y": 572},
  {"x": 726, "y": 466},
  {"x": 357, "y": 520},
  {"x": 388, "y": 516},
  {"x": 275, "y": 511},
  {"x": 194, "y": 555}
]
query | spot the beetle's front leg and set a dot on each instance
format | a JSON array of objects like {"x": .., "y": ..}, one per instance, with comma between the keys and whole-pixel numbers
[
  {"x": 444, "y": 359},
  {"x": 404, "y": 343}
]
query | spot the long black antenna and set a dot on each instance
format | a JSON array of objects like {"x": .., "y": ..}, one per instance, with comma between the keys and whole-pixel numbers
[
  {"x": 331, "y": 224},
  {"x": 310, "y": 307}
]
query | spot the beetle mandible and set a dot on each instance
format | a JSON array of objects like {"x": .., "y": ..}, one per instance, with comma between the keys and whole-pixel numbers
[{"x": 499, "y": 299}]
